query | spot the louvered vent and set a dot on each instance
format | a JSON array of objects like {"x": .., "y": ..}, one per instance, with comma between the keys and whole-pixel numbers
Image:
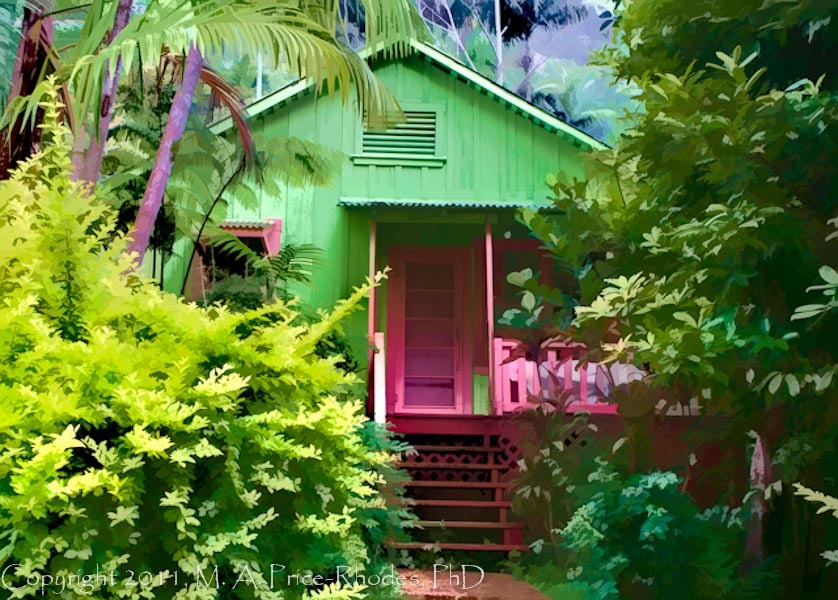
[{"x": 415, "y": 137}]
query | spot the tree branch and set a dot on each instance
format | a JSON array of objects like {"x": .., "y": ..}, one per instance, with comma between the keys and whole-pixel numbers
[{"x": 196, "y": 243}]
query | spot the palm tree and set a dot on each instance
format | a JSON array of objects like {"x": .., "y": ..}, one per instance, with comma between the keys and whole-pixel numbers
[
  {"x": 29, "y": 63},
  {"x": 297, "y": 35}
]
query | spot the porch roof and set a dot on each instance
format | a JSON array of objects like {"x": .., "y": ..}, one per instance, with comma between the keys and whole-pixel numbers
[{"x": 351, "y": 202}]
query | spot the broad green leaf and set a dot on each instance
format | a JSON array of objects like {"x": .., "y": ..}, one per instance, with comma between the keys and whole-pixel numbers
[
  {"x": 793, "y": 385},
  {"x": 829, "y": 274},
  {"x": 775, "y": 383},
  {"x": 519, "y": 278}
]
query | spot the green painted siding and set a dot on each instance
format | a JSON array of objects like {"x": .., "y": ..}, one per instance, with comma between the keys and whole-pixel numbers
[{"x": 491, "y": 153}]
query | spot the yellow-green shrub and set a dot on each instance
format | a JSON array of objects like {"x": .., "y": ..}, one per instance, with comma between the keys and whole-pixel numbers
[{"x": 140, "y": 433}]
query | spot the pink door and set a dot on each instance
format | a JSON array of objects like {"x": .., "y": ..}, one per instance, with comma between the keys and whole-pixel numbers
[{"x": 426, "y": 331}]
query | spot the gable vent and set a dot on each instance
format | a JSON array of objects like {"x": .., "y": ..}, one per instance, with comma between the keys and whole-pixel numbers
[{"x": 415, "y": 137}]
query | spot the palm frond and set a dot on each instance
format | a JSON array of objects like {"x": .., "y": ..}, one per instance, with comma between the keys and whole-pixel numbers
[
  {"x": 298, "y": 162},
  {"x": 223, "y": 93},
  {"x": 300, "y": 35},
  {"x": 9, "y": 38}
]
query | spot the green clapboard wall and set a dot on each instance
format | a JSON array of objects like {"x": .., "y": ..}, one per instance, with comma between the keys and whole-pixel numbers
[{"x": 488, "y": 152}]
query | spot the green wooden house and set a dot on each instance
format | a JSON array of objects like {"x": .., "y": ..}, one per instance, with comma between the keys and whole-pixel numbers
[{"x": 434, "y": 199}]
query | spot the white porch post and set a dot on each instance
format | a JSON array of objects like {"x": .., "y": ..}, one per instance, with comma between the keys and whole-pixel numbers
[
  {"x": 379, "y": 387},
  {"x": 490, "y": 315},
  {"x": 376, "y": 354},
  {"x": 371, "y": 309}
]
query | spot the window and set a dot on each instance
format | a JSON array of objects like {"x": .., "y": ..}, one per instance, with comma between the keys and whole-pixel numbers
[
  {"x": 209, "y": 263},
  {"x": 221, "y": 263},
  {"x": 412, "y": 143}
]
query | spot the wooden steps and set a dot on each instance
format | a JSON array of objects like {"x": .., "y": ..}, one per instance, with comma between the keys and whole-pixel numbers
[{"x": 461, "y": 488}]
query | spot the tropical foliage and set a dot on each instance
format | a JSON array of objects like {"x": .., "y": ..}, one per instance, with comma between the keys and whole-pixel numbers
[
  {"x": 693, "y": 241},
  {"x": 606, "y": 527},
  {"x": 297, "y": 37},
  {"x": 642, "y": 536},
  {"x": 177, "y": 448},
  {"x": 211, "y": 172},
  {"x": 539, "y": 50}
]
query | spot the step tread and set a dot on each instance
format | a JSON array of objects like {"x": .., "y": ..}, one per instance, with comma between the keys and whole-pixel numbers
[
  {"x": 443, "y": 448},
  {"x": 455, "y": 465},
  {"x": 457, "y": 546},
  {"x": 470, "y": 524},
  {"x": 458, "y": 484},
  {"x": 464, "y": 503}
]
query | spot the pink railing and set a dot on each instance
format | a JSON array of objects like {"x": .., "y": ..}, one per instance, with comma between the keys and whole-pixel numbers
[{"x": 588, "y": 384}]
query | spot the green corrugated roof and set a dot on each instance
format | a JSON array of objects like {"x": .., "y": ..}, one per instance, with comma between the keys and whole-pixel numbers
[
  {"x": 247, "y": 224},
  {"x": 466, "y": 204}
]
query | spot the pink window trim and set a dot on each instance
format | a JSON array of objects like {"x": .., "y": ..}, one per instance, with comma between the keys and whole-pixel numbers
[{"x": 271, "y": 235}]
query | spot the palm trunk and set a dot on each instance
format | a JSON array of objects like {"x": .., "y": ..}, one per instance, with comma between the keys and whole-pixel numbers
[
  {"x": 18, "y": 141},
  {"x": 159, "y": 178},
  {"x": 92, "y": 162}
]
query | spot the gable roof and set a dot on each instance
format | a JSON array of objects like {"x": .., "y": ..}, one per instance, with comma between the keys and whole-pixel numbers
[{"x": 456, "y": 69}]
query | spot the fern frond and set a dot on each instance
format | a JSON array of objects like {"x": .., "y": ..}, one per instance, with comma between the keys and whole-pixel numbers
[
  {"x": 829, "y": 503},
  {"x": 228, "y": 243},
  {"x": 294, "y": 262}
]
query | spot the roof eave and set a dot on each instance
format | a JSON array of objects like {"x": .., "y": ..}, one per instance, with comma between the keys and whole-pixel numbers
[
  {"x": 539, "y": 116},
  {"x": 542, "y": 117}
]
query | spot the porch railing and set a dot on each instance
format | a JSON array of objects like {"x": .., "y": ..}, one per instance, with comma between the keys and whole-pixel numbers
[{"x": 588, "y": 384}]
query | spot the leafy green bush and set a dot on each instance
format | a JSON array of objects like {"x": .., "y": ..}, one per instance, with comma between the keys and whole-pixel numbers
[
  {"x": 642, "y": 537},
  {"x": 168, "y": 447},
  {"x": 558, "y": 451},
  {"x": 237, "y": 293},
  {"x": 607, "y": 530},
  {"x": 247, "y": 293}
]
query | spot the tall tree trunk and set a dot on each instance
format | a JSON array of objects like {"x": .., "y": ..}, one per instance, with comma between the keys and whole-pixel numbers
[
  {"x": 175, "y": 126},
  {"x": 18, "y": 142},
  {"x": 92, "y": 163},
  {"x": 498, "y": 45},
  {"x": 760, "y": 477}
]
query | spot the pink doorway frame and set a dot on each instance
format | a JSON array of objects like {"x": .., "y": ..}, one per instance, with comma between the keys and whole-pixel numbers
[{"x": 396, "y": 299}]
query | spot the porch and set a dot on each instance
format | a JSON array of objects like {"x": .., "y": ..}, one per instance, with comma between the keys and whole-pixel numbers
[
  {"x": 436, "y": 348},
  {"x": 512, "y": 385},
  {"x": 444, "y": 373}
]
